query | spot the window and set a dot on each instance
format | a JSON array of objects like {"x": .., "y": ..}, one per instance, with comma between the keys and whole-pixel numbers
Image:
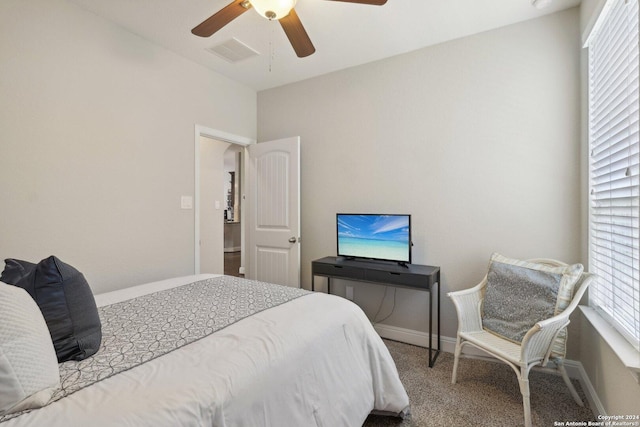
[{"x": 614, "y": 166}]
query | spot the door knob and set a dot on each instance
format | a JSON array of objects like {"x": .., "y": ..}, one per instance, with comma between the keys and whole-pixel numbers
[{"x": 292, "y": 239}]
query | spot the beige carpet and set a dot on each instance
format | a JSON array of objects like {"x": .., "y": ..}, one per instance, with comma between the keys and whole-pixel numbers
[{"x": 486, "y": 394}]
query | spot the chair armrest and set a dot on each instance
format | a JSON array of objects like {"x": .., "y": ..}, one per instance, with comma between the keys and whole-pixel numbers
[
  {"x": 537, "y": 343},
  {"x": 468, "y": 303}
]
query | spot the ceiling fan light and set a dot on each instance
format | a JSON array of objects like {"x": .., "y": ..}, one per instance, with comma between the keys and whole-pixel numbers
[{"x": 273, "y": 9}]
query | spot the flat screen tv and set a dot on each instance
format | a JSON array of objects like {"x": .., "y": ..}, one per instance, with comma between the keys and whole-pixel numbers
[{"x": 374, "y": 236}]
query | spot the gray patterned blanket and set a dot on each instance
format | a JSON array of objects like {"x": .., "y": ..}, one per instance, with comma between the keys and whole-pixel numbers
[{"x": 140, "y": 329}]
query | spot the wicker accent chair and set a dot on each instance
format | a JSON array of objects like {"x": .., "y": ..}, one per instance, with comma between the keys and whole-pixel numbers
[{"x": 536, "y": 347}]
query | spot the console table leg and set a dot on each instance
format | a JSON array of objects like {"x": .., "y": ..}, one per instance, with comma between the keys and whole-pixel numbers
[
  {"x": 431, "y": 328},
  {"x": 433, "y": 354},
  {"x": 439, "y": 342}
]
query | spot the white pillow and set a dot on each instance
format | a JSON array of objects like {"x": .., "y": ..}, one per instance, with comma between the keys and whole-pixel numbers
[{"x": 28, "y": 364}]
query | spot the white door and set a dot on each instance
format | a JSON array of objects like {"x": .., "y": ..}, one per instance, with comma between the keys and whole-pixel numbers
[{"x": 273, "y": 231}]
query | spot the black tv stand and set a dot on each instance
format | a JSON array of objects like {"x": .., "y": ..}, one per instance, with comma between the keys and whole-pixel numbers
[{"x": 414, "y": 276}]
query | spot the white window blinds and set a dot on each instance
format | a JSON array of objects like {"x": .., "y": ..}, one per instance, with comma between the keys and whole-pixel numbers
[{"x": 614, "y": 166}]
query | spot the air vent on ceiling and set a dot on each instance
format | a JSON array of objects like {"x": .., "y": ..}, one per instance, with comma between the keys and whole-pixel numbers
[{"x": 233, "y": 50}]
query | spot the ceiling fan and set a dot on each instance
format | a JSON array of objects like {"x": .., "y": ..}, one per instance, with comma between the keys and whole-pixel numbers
[{"x": 280, "y": 10}]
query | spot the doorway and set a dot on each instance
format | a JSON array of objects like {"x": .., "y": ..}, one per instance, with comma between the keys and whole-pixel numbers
[
  {"x": 233, "y": 173},
  {"x": 210, "y": 198},
  {"x": 271, "y": 182}
]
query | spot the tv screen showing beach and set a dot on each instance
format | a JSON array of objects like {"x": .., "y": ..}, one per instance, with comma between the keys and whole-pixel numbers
[{"x": 385, "y": 237}]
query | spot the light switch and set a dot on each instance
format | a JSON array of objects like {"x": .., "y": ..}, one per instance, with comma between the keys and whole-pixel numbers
[
  {"x": 186, "y": 202},
  {"x": 217, "y": 204}
]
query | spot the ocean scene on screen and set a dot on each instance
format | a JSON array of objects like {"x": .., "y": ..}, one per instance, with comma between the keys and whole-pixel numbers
[{"x": 374, "y": 236}]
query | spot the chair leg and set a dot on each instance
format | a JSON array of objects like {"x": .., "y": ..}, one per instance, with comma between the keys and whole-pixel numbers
[
  {"x": 526, "y": 401},
  {"x": 456, "y": 357},
  {"x": 560, "y": 365}
]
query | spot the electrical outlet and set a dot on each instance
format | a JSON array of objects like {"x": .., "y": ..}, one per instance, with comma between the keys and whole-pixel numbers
[{"x": 349, "y": 293}]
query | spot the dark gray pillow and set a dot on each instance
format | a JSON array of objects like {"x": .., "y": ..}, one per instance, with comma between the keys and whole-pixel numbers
[
  {"x": 16, "y": 269},
  {"x": 66, "y": 302}
]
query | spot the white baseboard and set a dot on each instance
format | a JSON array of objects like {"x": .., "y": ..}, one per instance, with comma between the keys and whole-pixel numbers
[
  {"x": 574, "y": 368},
  {"x": 594, "y": 401},
  {"x": 410, "y": 336},
  {"x": 233, "y": 249}
]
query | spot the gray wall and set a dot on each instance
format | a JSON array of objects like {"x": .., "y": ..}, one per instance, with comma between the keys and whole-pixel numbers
[
  {"x": 477, "y": 138},
  {"x": 97, "y": 143}
]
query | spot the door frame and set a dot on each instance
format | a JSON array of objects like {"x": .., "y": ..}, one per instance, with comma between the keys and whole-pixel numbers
[{"x": 203, "y": 131}]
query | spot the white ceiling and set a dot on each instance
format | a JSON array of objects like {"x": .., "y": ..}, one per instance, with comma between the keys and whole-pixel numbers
[{"x": 344, "y": 34}]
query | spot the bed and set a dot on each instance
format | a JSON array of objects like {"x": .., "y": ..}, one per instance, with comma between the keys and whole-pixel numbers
[{"x": 303, "y": 359}]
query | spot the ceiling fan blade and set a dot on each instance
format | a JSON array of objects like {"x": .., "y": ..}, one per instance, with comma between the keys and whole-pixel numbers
[
  {"x": 221, "y": 18},
  {"x": 297, "y": 35},
  {"x": 371, "y": 2}
]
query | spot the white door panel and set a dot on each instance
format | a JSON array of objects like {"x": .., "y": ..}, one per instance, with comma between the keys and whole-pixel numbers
[{"x": 274, "y": 217}]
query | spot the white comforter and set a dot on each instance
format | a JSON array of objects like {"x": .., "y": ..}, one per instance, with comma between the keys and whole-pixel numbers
[{"x": 314, "y": 361}]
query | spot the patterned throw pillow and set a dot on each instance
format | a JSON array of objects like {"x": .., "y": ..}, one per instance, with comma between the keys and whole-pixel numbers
[{"x": 520, "y": 293}]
